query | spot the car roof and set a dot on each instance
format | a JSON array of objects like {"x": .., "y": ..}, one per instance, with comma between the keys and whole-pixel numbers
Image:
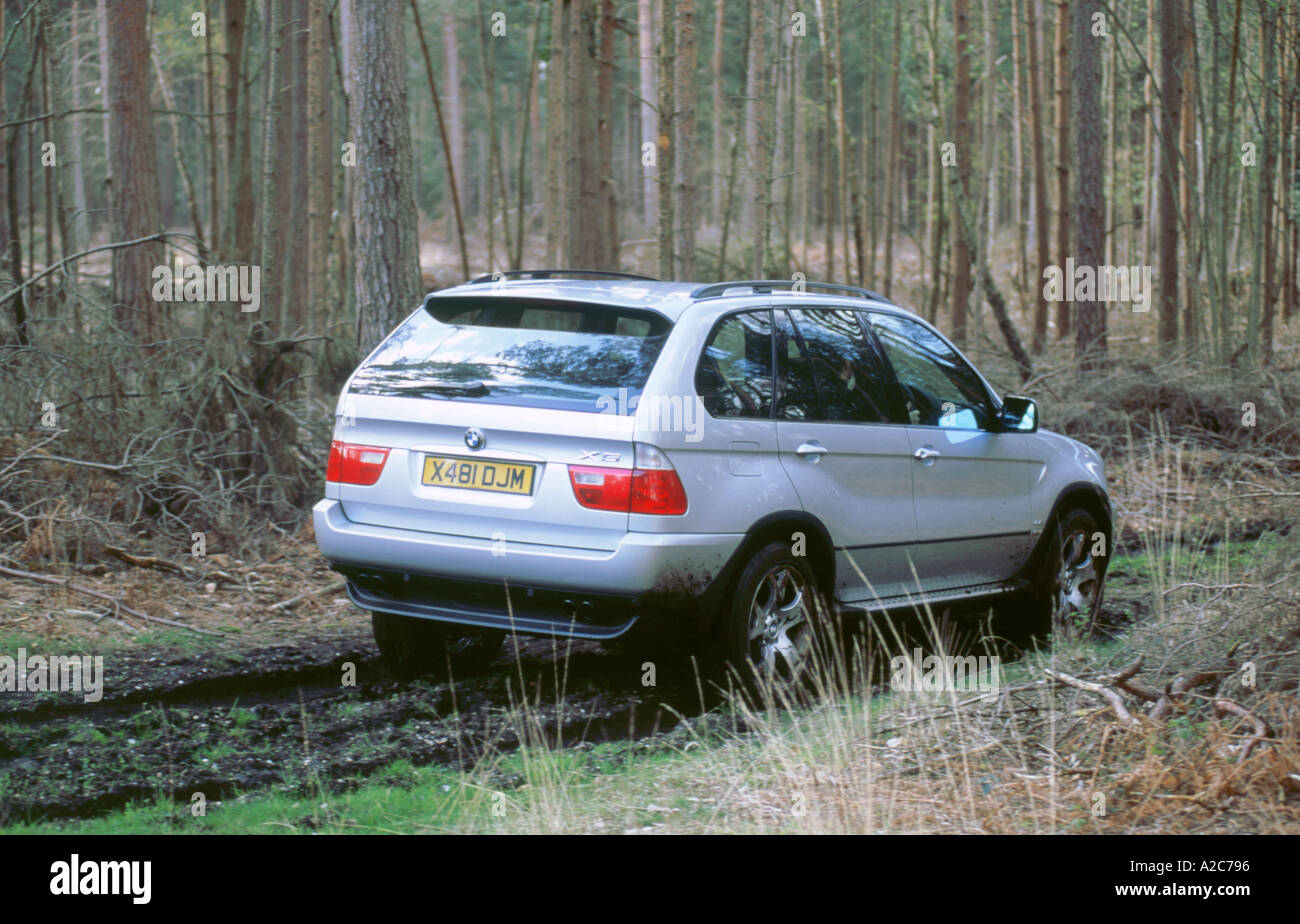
[{"x": 671, "y": 299}]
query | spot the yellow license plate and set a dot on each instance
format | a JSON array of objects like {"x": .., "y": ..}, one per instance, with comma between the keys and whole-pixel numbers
[{"x": 478, "y": 474}]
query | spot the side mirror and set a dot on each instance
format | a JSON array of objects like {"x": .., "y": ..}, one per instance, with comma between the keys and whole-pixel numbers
[{"x": 1019, "y": 414}]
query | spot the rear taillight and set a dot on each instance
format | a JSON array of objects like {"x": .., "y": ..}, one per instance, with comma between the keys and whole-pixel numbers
[
  {"x": 655, "y": 485},
  {"x": 652, "y": 486},
  {"x": 353, "y": 464}
]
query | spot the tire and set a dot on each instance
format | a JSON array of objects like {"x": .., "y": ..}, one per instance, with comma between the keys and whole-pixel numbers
[
  {"x": 415, "y": 647},
  {"x": 1066, "y": 599},
  {"x": 774, "y": 617}
]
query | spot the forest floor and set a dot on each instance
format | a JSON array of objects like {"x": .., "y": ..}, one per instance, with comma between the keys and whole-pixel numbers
[{"x": 249, "y": 704}]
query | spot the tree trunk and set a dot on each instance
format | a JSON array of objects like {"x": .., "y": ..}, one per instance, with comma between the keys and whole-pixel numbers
[
  {"x": 496, "y": 191},
  {"x": 270, "y": 232},
  {"x": 1187, "y": 179},
  {"x": 1089, "y": 195},
  {"x": 557, "y": 210},
  {"x": 1265, "y": 253},
  {"x": 667, "y": 134},
  {"x": 800, "y": 160},
  {"x": 829, "y": 204},
  {"x": 719, "y": 133},
  {"x": 80, "y": 205},
  {"x": 1018, "y": 152},
  {"x": 295, "y": 296},
  {"x": 279, "y": 144},
  {"x": 134, "y": 163},
  {"x": 649, "y": 115},
  {"x": 1041, "y": 230},
  {"x": 754, "y": 116},
  {"x": 605, "y": 230},
  {"x": 48, "y": 177},
  {"x": 935, "y": 210},
  {"x": 101, "y": 8},
  {"x": 1291, "y": 125},
  {"x": 684, "y": 132},
  {"x": 11, "y": 269},
  {"x": 1063, "y": 153},
  {"x": 1171, "y": 103},
  {"x": 320, "y": 163},
  {"x": 383, "y": 208},
  {"x": 455, "y": 111},
  {"x": 239, "y": 137},
  {"x": 895, "y": 154},
  {"x": 841, "y": 135},
  {"x": 1112, "y": 238},
  {"x": 990, "y": 139},
  {"x": 214, "y": 152},
  {"x": 961, "y": 256}
]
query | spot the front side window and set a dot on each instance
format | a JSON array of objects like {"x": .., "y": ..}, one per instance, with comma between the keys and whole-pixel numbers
[
  {"x": 939, "y": 388},
  {"x": 734, "y": 377}
]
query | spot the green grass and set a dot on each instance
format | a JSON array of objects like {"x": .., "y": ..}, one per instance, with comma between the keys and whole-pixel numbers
[
  {"x": 165, "y": 640},
  {"x": 404, "y": 799},
  {"x": 1168, "y": 561}
]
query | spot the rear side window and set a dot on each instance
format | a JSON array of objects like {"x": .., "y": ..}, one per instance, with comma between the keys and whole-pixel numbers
[
  {"x": 830, "y": 371},
  {"x": 526, "y": 352},
  {"x": 734, "y": 377}
]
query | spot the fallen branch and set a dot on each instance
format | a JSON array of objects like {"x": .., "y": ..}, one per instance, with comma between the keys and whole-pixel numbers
[
  {"x": 1124, "y": 680},
  {"x": 1170, "y": 590},
  {"x": 1224, "y": 707},
  {"x": 328, "y": 588},
  {"x": 104, "y": 466},
  {"x": 221, "y": 577},
  {"x": 1110, "y": 696},
  {"x": 145, "y": 561},
  {"x": 1181, "y": 684},
  {"x": 89, "y": 591}
]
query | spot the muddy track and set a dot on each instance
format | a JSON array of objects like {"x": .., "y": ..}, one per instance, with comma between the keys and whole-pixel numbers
[
  {"x": 280, "y": 717},
  {"x": 138, "y": 679}
]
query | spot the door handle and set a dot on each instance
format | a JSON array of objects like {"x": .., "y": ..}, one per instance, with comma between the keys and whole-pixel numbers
[
  {"x": 925, "y": 454},
  {"x": 813, "y": 449}
]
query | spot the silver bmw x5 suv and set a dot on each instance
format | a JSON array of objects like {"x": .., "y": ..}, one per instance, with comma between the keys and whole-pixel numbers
[{"x": 583, "y": 454}]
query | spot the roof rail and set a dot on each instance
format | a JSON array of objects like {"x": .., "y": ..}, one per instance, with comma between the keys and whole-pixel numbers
[
  {"x": 505, "y": 275},
  {"x": 765, "y": 286}
]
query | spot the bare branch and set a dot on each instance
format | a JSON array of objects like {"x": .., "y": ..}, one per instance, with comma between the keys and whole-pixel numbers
[
  {"x": 1228, "y": 707},
  {"x": 116, "y": 601},
  {"x": 1110, "y": 696}
]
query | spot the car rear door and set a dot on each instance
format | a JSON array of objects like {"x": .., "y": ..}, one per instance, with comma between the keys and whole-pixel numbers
[{"x": 852, "y": 468}]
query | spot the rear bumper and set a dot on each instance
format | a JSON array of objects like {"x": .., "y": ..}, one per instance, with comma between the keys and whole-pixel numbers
[{"x": 524, "y": 587}]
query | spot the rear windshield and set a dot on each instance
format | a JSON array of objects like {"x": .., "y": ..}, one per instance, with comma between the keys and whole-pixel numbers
[{"x": 527, "y": 352}]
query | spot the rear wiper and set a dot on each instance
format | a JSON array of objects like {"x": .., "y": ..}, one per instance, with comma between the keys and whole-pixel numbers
[{"x": 453, "y": 389}]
